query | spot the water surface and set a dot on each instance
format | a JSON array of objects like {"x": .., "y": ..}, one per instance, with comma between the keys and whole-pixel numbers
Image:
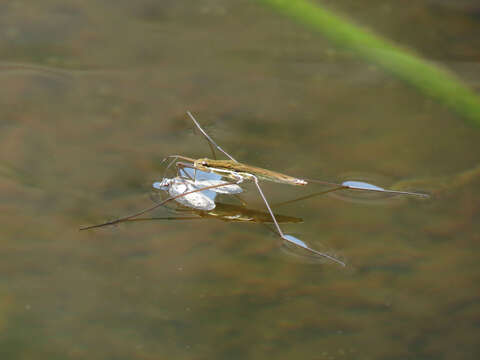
[{"x": 94, "y": 95}]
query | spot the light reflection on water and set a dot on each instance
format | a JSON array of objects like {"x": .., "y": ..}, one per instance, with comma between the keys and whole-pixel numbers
[{"x": 87, "y": 146}]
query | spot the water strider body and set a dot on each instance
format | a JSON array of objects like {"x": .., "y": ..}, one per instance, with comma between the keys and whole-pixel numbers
[{"x": 225, "y": 167}]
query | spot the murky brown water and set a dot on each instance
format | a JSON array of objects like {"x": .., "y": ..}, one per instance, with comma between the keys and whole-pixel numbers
[{"x": 94, "y": 95}]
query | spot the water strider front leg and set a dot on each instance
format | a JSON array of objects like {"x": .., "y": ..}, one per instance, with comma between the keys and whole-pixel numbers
[
  {"x": 181, "y": 167},
  {"x": 174, "y": 161},
  {"x": 238, "y": 179}
]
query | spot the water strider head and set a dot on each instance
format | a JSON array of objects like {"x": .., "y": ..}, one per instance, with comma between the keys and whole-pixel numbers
[
  {"x": 210, "y": 163},
  {"x": 202, "y": 164}
]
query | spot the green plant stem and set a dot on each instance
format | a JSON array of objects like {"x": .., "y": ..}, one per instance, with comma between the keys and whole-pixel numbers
[{"x": 431, "y": 79}]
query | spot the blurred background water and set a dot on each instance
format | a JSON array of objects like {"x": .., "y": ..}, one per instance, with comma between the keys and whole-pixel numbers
[{"x": 94, "y": 95}]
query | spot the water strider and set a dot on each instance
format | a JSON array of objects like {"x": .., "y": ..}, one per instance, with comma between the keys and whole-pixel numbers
[{"x": 182, "y": 190}]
